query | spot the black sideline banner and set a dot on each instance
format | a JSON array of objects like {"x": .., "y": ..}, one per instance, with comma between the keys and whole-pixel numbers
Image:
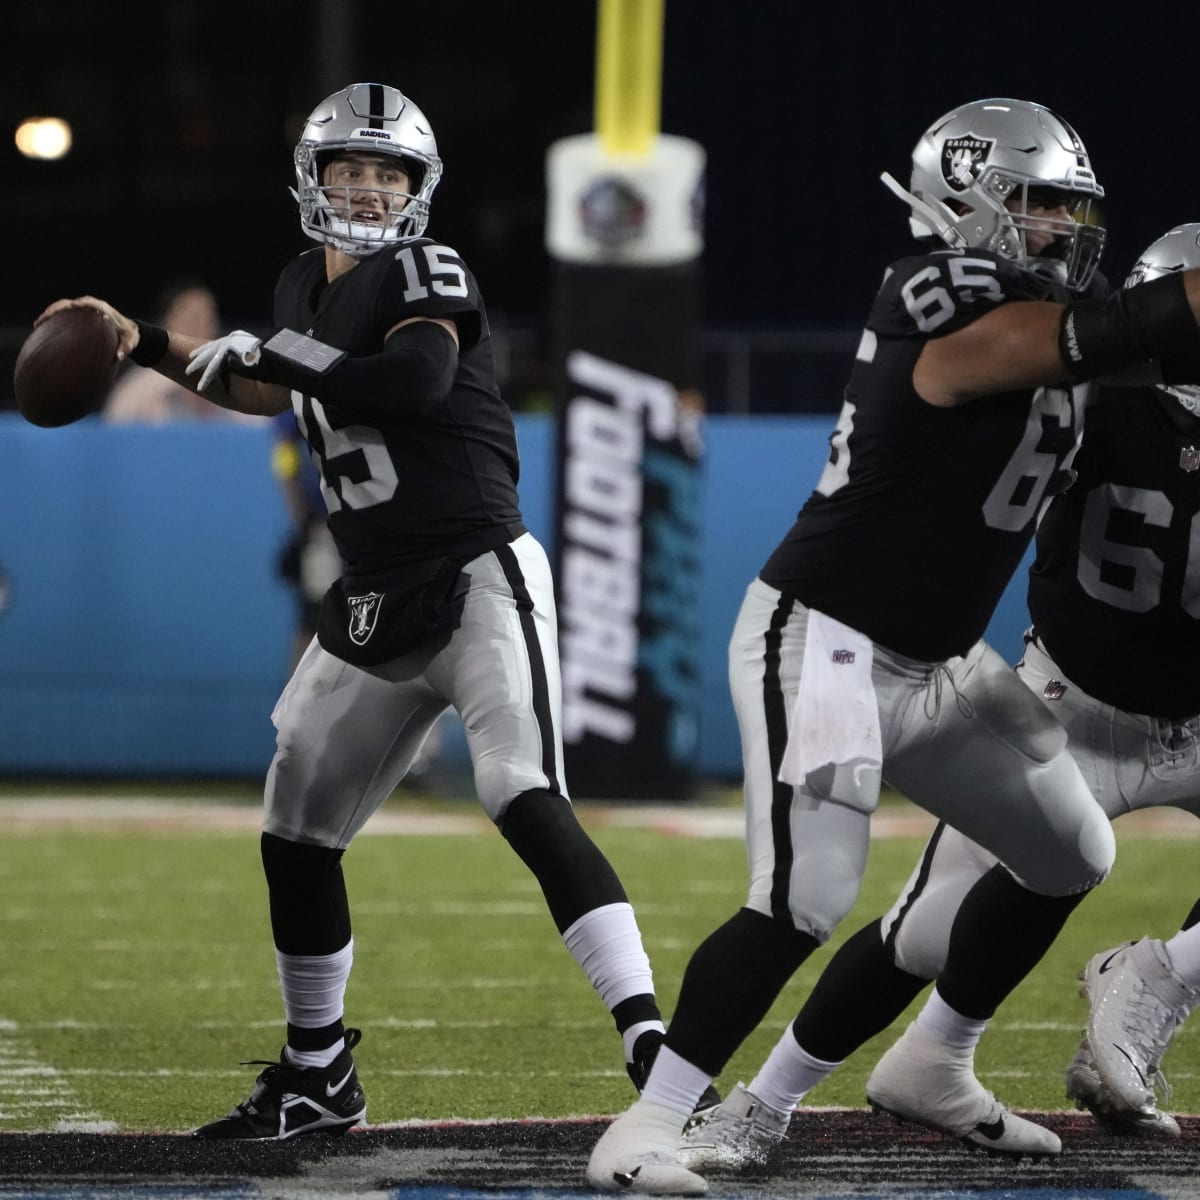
[{"x": 625, "y": 310}]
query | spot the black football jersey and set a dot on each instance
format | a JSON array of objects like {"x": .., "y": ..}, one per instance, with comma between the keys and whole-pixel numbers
[
  {"x": 923, "y": 513},
  {"x": 1114, "y": 591},
  {"x": 413, "y": 481}
]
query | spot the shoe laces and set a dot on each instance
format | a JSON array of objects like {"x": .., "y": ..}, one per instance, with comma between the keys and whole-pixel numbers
[{"x": 1155, "y": 1023}]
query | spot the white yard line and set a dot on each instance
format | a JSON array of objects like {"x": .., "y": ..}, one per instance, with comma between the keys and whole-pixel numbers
[{"x": 32, "y": 1089}]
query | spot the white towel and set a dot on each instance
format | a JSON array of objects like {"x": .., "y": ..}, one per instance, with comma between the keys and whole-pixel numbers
[{"x": 835, "y": 721}]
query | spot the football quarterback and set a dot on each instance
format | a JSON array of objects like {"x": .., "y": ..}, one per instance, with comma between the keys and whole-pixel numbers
[{"x": 382, "y": 350}]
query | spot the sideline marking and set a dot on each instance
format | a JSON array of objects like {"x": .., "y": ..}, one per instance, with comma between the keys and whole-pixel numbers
[{"x": 186, "y": 814}]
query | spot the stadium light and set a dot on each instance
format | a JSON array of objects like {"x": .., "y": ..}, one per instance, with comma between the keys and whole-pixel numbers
[{"x": 47, "y": 138}]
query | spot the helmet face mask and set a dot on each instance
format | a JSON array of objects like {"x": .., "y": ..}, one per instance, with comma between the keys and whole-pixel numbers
[
  {"x": 998, "y": 174},
  {"x": 365, "y": 118},
  {"x": 1177, "y": 250}
]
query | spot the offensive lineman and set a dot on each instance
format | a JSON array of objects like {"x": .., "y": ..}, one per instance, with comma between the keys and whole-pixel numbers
[
  {"x": 1114, "y": 560},
  {"x": 961, "y": 414},
  {"x": 384, "y": 353}
]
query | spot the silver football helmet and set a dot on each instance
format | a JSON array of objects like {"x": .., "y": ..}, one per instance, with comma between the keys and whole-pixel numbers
[
  {"x": 1176, "y": 250},
  {"x": 368, "y": 118},
  {"x": 978, "y": 169}
]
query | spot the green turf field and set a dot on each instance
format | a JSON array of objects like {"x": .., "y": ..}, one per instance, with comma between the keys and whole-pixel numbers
[{"x": 139, "y": 971}]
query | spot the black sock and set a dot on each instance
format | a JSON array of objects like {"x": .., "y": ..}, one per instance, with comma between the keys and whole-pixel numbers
[
  {"x": 299, "y": 1038},
  {"x": 732, "y": 980},
  {"x": 636, "y": 1010},
  {"x": 310, "y": 913},
  {"x": 860, "y": 993},
  {"x": 1000, "y": 934},
  {"x": 574, "y": 875}
]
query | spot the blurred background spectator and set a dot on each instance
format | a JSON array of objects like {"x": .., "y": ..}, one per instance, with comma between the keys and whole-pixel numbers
[{"x": 144, "y": 397}]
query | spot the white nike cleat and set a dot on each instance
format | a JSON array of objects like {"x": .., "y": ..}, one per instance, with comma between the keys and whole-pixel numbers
[
  {"x": 925, "y": 1081},
  {"x": 739, "y": 1132},
  {"x": 1087, "y": 1089},
  {"x": 1137, "y": 1000},
  {"x": 639, "y": 1152}
]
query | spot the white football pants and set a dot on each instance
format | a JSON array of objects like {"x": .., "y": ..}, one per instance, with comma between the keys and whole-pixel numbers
[
  {"x": 964, "y": 739},
  {"x": 348, "y": 735},
  {"x": 1129, "y": 762}
]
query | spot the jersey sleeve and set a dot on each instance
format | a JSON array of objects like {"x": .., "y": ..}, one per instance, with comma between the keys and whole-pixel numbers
[
  {"x": 428, "y": 279},
  {"x": 931, "y": 295}
]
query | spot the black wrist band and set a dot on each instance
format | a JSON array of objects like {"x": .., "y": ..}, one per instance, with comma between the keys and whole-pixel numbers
[{"x": 152, "y": 344}]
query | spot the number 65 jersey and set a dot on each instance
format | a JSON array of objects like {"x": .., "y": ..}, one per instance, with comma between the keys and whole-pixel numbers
[{"x": 922, "y": 513}]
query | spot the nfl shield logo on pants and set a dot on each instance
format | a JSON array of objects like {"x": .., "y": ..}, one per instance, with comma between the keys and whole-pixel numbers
[{"x": 1189, "y": 458}]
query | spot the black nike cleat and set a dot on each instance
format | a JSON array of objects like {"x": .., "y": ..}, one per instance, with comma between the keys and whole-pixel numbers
[
  {"x": 288, "y": 1101},
  {"x": 645, "y": 1051}
]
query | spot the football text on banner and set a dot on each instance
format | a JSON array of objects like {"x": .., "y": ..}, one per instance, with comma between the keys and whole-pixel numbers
[{"x": 624, "y": 234}]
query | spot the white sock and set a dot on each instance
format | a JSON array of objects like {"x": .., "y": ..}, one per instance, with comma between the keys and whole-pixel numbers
[
  {"x": 788, "y": 1073},
  {"x": 630, "y": 1036},
  {"x": 314, "y": 1058},
  {"x": 314, "y": 992},
  {"x": 940, "y": 1021},
  {"x": 675, "y": 1084},
  {"x": 1184, "y": 952},
  {"x": 607, "y": 944}
]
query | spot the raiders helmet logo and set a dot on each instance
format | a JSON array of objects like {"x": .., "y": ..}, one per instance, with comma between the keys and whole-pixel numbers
[
  {"x": 963, "y": 158},
  {"x": 364, "y": 610}
]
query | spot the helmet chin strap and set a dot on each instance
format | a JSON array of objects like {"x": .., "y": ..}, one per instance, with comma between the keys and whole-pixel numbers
[{"x": 951, "y": 236}]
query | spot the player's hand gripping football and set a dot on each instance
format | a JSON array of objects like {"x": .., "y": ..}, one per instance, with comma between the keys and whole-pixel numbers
[
  {"x": 238, "y": 346},
  {"x": 127, "y": 332}
]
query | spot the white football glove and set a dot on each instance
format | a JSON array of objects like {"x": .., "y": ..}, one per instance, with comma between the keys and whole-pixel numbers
[{"x": 242, "y": 346}]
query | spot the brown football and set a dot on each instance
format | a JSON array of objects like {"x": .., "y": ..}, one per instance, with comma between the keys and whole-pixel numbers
[{"x": 65, "y": 367}]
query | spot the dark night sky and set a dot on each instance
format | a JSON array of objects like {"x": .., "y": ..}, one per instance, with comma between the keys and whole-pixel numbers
[{"x": 184, "y": 147}]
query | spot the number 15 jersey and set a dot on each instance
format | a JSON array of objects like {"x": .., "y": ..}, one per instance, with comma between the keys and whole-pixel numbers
[
  {"x": 406, "y": 478},
  {"x": 922, "y": 513}
]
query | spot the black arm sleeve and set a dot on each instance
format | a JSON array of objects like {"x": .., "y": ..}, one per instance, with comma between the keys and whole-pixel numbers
[
  {"x": 414, "y": 373},
  {"x": 1150, "y": 322}
]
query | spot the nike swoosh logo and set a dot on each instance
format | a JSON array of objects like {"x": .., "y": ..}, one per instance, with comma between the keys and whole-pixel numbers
[
  {"x": 1136, "y": 1069},
  {"x": 626, "y": 1178},
  {"x": 994, "y": 1130},
  {"x": 332, "y": 1089},
  {"x": 1106, "y": 965}
]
